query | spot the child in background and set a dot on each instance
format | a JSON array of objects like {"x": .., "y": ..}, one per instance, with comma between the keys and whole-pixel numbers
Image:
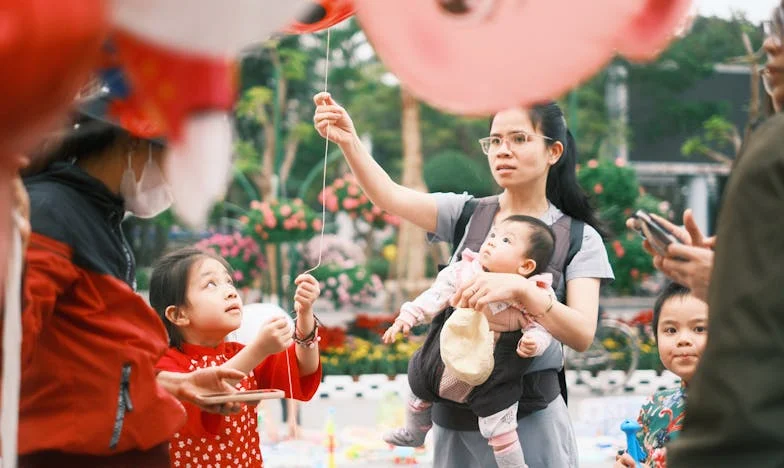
[
  {"x": 194, "y": 295},
  {"x": 680, "y": 326}
]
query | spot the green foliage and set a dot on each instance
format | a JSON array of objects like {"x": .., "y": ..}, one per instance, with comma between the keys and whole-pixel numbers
[
  {"x": 717, "y": 134},
  {"x": 453, "y": 171},
  {"x": 613, "y": 188},
  {"x": 616, "y": 195}
]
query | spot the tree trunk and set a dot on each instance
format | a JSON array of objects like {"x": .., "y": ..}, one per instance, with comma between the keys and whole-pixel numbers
[{"x": 411, "y": 240}]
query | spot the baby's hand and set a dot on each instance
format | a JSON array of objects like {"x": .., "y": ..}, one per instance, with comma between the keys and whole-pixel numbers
[
  {"x": 397, "y": 327},
  {"x": 275, "y": 336},
  {"x": 526, "y": 347},
  {"x": 307, "y": 292}
]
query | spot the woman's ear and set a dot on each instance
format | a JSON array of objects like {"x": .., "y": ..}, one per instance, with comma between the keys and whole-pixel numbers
[
  {"x": 527, "y": 267},
  {"x": 555, "y": 153},
  {"x": 177, "y": 316}
]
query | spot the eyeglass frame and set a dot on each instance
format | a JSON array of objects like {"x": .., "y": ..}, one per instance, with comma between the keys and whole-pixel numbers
[{"x": 503, "y": 138}]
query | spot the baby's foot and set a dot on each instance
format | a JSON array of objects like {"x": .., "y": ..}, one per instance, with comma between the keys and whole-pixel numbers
[{"x": 403, "y": 437}]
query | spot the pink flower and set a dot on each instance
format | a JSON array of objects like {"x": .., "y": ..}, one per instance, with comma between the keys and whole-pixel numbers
[
  {"x": 238, "y": 276},
  {"x": 270, "y": 222},
  {"x": 332, "y": 203},
  {"x": 375, "y": 210},
  {"x": 350, "y": 204},
  {"x": 369, "y": 217},
  {"x": 285, "y": 210},
  {"x": 363, "y": 199},
  {"x": 255, "y": 204},
  {"x": 593, "y": 164},
  {"x": 234, "y": 251},
  {"x": 297, "y": 202},
  {"x": 353, "y": 190},
  {"x": 620, "y": 162},
  {"x": 339, "y": 183},
  {"x": 316, "y": 225},
  {"x": 598, "y": 188}
]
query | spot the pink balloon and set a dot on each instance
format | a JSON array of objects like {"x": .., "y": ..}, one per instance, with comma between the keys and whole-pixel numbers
[{"x": 480, "y": 56}]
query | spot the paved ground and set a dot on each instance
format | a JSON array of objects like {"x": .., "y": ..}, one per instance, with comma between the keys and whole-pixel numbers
[{"x": 359, "y": 423}]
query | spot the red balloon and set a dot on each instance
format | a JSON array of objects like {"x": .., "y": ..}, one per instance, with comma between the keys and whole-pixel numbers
[
  {"x": 320, "y": 15},
  {"x": 47, "y": 50},
  {"x": 478, "y": 57}
]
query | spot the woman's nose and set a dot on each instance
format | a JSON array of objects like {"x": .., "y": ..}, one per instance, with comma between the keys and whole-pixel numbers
[{"x": 232, "y": 292}]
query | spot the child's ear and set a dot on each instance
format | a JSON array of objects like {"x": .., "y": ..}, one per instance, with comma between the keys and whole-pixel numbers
[
  {"x": 177, "y": 316},
  {"x": 527, "y": 267}
]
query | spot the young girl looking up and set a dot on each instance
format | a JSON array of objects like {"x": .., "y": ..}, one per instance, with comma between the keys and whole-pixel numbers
[{"x": 194, "y": 295}]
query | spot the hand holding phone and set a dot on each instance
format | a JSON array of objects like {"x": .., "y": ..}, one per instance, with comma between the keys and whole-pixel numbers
[{"x": 657, "y": 235}]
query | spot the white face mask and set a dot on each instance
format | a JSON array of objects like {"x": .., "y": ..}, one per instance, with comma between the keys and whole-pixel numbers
[{"x": 151, "y": 195}]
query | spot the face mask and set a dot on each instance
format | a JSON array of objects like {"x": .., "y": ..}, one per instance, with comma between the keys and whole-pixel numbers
[{"x": 151, "y": 195}]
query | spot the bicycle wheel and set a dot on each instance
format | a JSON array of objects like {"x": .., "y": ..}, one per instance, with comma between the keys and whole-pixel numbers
[{"x": 606, "y": 366}]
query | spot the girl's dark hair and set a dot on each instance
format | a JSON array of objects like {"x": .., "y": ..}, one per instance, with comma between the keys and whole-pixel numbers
[
  {"x": 670, "y": 291},
  {"x": 541, "y": 242},
  {"x": 562, "y": 186},
  {"x": 169, "y": 285}
]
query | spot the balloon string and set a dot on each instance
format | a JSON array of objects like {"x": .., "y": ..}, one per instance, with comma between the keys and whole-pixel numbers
[
  {"x": 324, "y": 175},
  {"x": 323, "y": 208}
]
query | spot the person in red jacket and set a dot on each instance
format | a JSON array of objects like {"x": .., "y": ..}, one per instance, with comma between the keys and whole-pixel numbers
[
  {"x": 90, "y": 393},
  {"x": 194, "y": 295}
]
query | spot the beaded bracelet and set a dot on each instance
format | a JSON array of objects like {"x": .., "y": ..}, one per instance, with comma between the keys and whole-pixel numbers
[{"x": 312, "y": 339}]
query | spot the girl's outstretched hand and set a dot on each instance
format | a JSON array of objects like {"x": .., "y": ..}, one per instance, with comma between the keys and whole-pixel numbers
[{"x": 308, "y": 291}]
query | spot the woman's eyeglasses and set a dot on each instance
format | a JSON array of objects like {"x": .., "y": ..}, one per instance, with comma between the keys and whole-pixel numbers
[{"x": 514, "y": 140}]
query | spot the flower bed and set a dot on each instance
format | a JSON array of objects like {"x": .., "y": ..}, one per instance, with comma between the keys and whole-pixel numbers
[
  {"x": 281, "y": 221},
  {"x": 241, "y": 252}
]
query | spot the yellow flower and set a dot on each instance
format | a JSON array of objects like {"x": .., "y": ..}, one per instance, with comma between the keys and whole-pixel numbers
[
  {"x": 609, "y": 343},
  {"x": 389, "y": 252}
]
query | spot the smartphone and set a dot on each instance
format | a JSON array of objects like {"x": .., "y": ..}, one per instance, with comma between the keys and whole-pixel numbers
[
  {"x": 656, "y": 234},
  {"x": 250, "y": 396}
]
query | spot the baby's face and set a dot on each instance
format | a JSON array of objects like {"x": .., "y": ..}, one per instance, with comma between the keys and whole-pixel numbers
[{"x": 505, "y": 248}]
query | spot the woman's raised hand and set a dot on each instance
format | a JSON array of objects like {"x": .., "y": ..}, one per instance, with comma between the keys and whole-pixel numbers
[{"x": 332, "y": 121}]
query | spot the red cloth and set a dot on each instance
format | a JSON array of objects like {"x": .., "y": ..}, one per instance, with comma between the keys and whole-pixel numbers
[
  {"x": 80, "y": 329},
  {"x": 211, "y": 439}
]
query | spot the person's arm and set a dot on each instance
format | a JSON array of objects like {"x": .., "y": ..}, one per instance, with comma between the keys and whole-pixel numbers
[
  {"x": 573, "y": 324},
  {"x": 189, "y": 386},
  {"x": 273, "y": 337},
  {"x": 425, "y": 307},
  {"x": 333, "y": 121},
  {"x": 308, "y": 356},
  {"x": 48, "y": 274}
]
